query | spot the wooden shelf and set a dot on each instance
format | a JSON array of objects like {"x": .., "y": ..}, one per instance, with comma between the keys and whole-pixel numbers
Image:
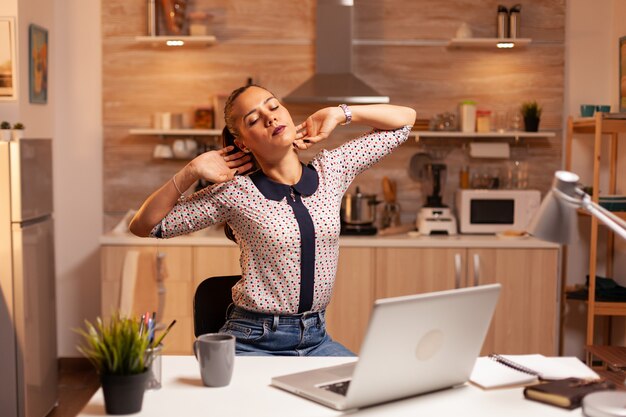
[
  {"x": 605, "y": 308},
  {"x": 417, "y": 134},
  {"x": 177, "y": 41},
  {"x": 588, "y": 125},
  {"x": 176, "y": 132},
  {"x": 488, "y": 43}
]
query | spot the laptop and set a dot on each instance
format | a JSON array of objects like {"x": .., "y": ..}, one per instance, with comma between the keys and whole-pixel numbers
[{"x": 414, "y": 344}]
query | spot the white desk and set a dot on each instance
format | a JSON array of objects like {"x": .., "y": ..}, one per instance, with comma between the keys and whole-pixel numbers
[{"x": 249, "y": 394}]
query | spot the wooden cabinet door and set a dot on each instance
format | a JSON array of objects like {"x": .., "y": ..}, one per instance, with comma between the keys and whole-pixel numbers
[
  {"x": 405, "y": 271},
  {"x": 213, "y": 261},
  {"x": 133, "y": 270},
  {"x": 353, "y": 295},
  {"x": 525, "y": 320}
]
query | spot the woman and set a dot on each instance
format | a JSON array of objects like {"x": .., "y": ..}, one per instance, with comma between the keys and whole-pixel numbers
[{"x": 284, "y": 216}]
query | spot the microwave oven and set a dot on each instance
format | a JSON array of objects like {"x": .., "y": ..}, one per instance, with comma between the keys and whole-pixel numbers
[{"x": 493, "y": 211}]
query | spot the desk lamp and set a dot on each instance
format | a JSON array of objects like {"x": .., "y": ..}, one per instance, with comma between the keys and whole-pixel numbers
[
  {"x": 556, "y": 219},
  {"x": 556, "y": 222}
]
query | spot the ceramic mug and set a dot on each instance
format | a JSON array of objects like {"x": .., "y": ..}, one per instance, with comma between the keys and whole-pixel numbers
[
  {"x": 216, "y": 356},
  {"x": 184, "y": 148},
  {"x": 603, "y": 108},
  {"x": 587, "y": 110}
]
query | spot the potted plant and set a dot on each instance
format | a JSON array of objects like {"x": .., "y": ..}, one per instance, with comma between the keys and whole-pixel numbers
[
  {"x": 18, "y": 131},
  {"x": 531, "y": 112},
  {"x": 5, "y": 131},
  {"x": 118, "y": 351}
]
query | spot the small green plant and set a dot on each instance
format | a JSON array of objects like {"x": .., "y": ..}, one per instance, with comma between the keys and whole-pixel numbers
[
  {"x": 18, "y": 126},
  {"x": 5, "y": 125},
  {"x": 531, "y": 109},
  {"x": 117, "y": 347}
]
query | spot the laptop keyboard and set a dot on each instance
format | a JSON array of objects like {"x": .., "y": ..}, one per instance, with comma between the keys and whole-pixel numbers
[{"x": 337, "y": 387}]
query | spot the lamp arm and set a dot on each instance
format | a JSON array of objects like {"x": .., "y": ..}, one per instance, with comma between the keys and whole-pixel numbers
[{"x": 605, "y": 216}]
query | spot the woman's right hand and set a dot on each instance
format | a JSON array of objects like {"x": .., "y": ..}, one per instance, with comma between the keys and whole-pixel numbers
[{"x": 218, "y": 166}]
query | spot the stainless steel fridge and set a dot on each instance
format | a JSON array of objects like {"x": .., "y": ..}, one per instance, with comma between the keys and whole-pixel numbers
[{"x": 28, "y": 346}]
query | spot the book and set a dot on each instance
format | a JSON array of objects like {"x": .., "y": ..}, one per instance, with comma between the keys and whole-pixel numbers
[
  {"x": 505, "y": 371},
  {"x": 566, "y": 393}
]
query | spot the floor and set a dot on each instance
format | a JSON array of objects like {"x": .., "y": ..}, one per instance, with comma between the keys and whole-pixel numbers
[{"x": 78, "y": 381}]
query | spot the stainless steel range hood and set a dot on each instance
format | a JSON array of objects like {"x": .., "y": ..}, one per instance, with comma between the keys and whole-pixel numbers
[{"x": 333, "y": 81}]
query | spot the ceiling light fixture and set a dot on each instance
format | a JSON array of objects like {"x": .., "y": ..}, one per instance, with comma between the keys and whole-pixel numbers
[
  {"x": 175, "y": 43},
  {"x": 507, "y": 45}
]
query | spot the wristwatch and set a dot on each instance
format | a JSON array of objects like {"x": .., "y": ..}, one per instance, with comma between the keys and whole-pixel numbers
[{"x": 347, "y": 112}]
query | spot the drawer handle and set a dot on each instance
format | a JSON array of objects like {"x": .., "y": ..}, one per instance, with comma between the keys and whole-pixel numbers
[
  {"x": 476, "y": 269},
  {"x": 457, "y": 270}
]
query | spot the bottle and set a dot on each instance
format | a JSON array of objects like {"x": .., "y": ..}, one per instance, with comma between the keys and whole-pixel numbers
[
  {"x": 467, "y": 116},
  {"x": 464, "y": 178},
  {"x": 514, "y": 21},
  {"x": 502, "y": 30}
]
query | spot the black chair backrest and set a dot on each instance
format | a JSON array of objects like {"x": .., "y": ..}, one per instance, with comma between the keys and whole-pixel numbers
[{"x": 210, "y": 301}]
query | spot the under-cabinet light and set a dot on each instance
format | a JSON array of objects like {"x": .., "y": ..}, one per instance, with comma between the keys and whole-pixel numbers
[
  {"x": 505, "y": 45},
  {"x": 175, "y": 43}
]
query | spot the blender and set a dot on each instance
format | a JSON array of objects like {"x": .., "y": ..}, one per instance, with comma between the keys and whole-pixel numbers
[{"x": 435, "y": 217}]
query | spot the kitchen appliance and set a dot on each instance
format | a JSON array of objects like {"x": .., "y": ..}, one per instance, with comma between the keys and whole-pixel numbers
[
  {"x": 493, "y": 211},
  {"x": 334, "y": 81},
  {"x": 28, "y": 346},
  {"x": 358, "y": 213},
  {"x": 435, "y": 217}
]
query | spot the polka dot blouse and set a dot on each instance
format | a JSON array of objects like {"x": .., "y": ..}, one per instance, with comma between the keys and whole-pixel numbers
[{"x": 285, "y": 233}]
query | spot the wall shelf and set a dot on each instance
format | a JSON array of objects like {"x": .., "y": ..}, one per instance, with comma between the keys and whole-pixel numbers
[
  {"x": 176, "y": 132},
  {"x": 417, "y": 134},
  {"x": 176, "y": 41},
  {"x": 511, "y": 43}
]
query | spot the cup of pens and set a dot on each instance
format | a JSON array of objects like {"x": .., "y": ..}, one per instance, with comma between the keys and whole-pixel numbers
[{"x": 154, "y": 349}]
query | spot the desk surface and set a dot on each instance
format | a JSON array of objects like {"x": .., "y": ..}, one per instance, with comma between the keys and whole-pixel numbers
[{"x": 249, "y": 394}]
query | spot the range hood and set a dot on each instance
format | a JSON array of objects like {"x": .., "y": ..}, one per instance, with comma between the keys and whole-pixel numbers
[{"x": 333, "y": 81}]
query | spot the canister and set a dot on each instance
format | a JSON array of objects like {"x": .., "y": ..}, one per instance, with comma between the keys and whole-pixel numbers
[
  {"x": 467, "y": 116},
  {"x": 483, "y": 121},
  {"x": 514, "y": 21}
]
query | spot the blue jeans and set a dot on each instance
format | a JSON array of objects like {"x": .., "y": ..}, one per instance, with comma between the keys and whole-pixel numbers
[{"x": 260, "y": 334}]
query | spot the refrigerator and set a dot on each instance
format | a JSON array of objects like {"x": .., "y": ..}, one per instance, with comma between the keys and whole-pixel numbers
[{"x": 28, "y": 346}]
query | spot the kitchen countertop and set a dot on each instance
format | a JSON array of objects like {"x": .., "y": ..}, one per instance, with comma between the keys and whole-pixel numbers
[{"x": 217, "y": 238}]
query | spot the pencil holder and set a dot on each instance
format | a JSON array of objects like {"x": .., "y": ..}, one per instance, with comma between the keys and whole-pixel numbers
[{"x": 154, "y": 380}]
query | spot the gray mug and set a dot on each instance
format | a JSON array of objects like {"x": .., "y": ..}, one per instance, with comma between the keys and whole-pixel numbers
[{"x": 216, "y": 355}]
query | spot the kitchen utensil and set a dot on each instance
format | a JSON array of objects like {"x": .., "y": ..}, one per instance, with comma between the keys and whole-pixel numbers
[
  {"x": 391, "y": 210},
  {"x": 359, "y": 208},
  {"x": 417, "y": 165}
]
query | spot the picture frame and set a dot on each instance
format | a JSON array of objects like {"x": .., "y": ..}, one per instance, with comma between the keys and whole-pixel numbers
[
  {"x": 8, "y": 60},
  {"x": 622, "y": 74},
  {"x": 38, "y": 64}
]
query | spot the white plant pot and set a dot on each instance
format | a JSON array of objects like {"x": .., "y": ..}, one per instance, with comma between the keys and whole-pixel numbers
[
  {"x": 5, "y": 135},
  {"x": 17, "y": 134}
]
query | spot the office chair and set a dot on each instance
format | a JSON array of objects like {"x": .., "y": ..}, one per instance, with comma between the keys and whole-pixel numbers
[{"x": 210, "y": 301}]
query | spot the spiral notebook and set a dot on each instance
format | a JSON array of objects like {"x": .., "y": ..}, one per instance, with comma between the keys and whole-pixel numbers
[{"x": 503, "y": 371}]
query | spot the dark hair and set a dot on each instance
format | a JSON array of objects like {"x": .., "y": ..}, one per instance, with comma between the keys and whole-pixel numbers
[{"x": 229, "y": 134}]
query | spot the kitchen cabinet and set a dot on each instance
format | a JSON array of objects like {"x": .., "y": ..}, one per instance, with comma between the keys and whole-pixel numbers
[
  {"x": 598, "y": 126},
  {"x": 526, "y": 316},
  {"x": 121, "y": 265},
  {"x": 369, "y": 268},
  {"x": 353, "y": 295}
]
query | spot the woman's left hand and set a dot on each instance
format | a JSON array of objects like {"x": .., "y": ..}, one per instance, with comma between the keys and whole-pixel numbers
[{"x": 318, "y": 126}]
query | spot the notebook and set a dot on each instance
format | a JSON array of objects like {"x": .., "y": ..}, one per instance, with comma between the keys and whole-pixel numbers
[
  {"x": 502, "y": 371},
  {"x": 413, "y": 345}
]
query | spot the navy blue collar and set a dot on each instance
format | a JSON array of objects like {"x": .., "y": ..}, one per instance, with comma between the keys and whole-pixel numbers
[{"x": 276, "y": 191}]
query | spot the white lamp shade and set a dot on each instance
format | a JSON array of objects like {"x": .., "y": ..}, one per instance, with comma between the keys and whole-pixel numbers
[{"x": 555, "y": 221}]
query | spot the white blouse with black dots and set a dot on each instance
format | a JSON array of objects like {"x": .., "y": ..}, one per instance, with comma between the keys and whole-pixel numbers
[{"x": 266, "y": 228}]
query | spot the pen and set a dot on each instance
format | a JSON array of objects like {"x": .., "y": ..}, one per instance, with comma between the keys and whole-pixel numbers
[{"x": 158, "y": 342}]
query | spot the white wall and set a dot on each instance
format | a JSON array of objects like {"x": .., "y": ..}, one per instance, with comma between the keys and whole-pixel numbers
[
  {"x": 78, "y": 165},
  {"x": 72, "y": 118},
  {"x": 593, "y": 30}
]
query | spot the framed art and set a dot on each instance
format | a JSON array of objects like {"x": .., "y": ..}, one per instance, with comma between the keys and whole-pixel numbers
[
  {"x": 622, "y": 74},
  {"x": 8, "y": 58},
  {"x": 38, "y": 64}
]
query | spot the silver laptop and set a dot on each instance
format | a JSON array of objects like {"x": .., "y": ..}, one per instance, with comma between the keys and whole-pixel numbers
[{"x": 414, "y": 344}]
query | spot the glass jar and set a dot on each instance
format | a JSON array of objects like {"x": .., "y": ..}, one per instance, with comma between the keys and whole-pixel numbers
[{"x": 483, "y": 121}]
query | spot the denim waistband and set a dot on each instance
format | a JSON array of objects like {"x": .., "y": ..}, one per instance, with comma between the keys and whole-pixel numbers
[{"x": 235, "y": 312}]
